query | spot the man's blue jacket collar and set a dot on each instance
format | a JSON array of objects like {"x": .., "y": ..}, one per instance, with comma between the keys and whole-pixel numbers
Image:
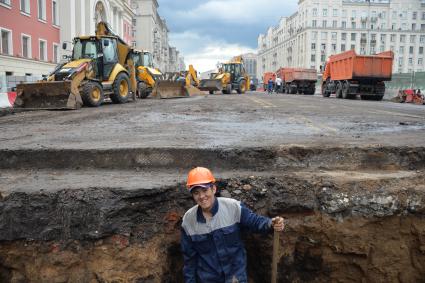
[{"x": 200, "y": 216}]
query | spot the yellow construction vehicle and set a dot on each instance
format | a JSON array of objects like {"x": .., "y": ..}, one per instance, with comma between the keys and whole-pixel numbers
[
  {"x": 99, "y": 67},
  {"x": 230, "y": 76},
  {"x": 146, "y": 74},
  {"x": 175, "y": 85}
]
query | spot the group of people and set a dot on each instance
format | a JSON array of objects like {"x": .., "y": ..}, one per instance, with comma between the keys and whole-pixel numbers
[{"x": 275, "y": 86}]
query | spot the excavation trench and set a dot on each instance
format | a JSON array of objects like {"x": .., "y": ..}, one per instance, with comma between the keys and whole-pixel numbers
[{"x": 351, "y": 224}]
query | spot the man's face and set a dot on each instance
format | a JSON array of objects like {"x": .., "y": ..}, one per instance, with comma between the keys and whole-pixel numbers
[{"x": 204, "y": 197}]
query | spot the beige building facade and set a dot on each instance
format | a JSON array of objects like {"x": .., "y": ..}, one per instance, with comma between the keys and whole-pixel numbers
[
  {"x": 151, "y": 34},
  {"x": 321, "y": 28}
]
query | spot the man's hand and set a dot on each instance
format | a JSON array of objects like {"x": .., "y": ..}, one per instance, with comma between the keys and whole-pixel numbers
[{"x": 278, "y": 224}]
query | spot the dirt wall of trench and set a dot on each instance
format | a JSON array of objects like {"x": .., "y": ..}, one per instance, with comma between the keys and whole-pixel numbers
[{"x": 337, "y": 231}]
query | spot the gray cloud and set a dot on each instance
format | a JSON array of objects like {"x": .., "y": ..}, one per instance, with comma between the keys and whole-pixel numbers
[{"x": 196, "y": 25}]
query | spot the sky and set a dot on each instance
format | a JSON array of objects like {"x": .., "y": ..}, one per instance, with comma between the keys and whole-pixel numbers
[{"x": 210, "y": 31}]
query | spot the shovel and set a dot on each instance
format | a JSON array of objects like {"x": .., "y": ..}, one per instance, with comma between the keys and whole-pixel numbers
[{"x": 275, "y": 255}]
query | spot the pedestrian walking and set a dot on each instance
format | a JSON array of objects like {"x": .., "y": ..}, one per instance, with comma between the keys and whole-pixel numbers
[
  {"x": 211, "y": 232},
  {"x": 270, "y": 86},
  {"x": 278, "y": 84}
]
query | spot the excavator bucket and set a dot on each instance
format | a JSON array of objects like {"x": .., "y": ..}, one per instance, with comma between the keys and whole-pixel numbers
[
  {"x": 169, "y": 89},
  {"x": 47, "y": 95},
  {"x": 210, "y": 85},
  {"x": 173, "y": 85}
]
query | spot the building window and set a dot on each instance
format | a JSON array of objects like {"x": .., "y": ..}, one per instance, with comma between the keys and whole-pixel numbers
[
  {"x": 334, "y": 24},
  {"x": 344, "y": 24},
  {"x": 333, "y": 36},
  {"x": 5, "y": 2},
  {"x": 6, "y": 41},
  {"x": 410, "y": 61},
  {"x": 42, "y": 50},
  {"x": 314, "y": 12},
  {"x": 324, "y": 24},
  {"x": 353, "y": 47},
  {"x": 26, "y": 46},
  {"x": 421, "y": 50},
  {"x": 401, "y": 50},
  {"x": 353, "y": 25},
  {"x": 342, "y": 47},
  {"x": 324, "y": 35},
  {"x": 344, "y": 13},
  {"x": 353, "y": 37},
  {"x": 353, "y": 13},
  {"x": 411, "y": 50},
  {"x": 423, "y": 15},
  {"x": 313, "y": 57},
  {"x": 313, "y": 46},
  {"x": 314, "y": 35},
  {"x": 333, "y": 47},
  {"x": 323, "y": 47},
  {"x": 402, "y": 38},
  {"x": 55, "y": 13},
  {"x": 314, "y": 23},
  {"x": 323, "y": 58},
  {"x": 413, "y": 27},
  {"x": 25, "y": 6},
  {"x": 422, "y": 39},
  {"x": 55, "y": 53},
  {"x": 41, "y": 9},
  {"x": 420, "y": 61},
  {"x": 335, "y": 12},
  {"x": 414, "y": 15},
  {"x": 325, "y": 12},
  {"x": 343, "y": 36},
  {"x": 393, "y": 38}
]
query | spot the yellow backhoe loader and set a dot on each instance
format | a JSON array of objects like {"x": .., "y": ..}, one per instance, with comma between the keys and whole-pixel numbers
[
  {"x": 99, "y": 67},
  {"x": 175, "y": 85},
  {"x": 231, "y": 76},
  {"x": 146, "y": 74}
]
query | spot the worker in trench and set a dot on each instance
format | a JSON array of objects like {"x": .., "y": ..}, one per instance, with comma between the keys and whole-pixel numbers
[{"x": 211, "y": 233}]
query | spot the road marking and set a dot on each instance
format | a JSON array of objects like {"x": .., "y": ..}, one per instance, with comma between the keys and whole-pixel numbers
[
  {"x": 396, "y": 114},
  {"x": 319, "y": 127},
  {"x": 263, "y": 103}
]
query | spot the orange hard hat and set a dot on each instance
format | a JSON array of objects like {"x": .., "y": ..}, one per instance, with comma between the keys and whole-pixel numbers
[{"x": 199, "y": 175}]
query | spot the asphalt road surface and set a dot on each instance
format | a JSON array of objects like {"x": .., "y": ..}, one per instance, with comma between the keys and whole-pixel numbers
[{"x": 254, "y": 119}]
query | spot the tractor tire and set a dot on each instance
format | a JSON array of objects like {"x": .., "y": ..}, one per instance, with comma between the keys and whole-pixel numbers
[
  {"x": 378, "y": 97},
  {"x": 142, "y": 91},
  {"x": 121, "y": 89},
  {"x": 211, "y": 92},
  {"x": 242, "y": 87},
  {"x": 92, "y": 94}
]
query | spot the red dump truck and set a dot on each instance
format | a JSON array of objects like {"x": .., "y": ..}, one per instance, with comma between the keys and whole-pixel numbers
[
  {"x": 266, "y": 77},
  {"x": 348, "y": 74},
  {"x": 298, "y": 80}
]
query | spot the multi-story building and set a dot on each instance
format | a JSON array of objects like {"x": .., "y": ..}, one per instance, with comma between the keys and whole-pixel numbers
[
  {"x": 79, "y": 17},
  {"x": 32, "y": 30},
  {"x": 152, "y": 34},
  {"x": 30, "y": 40},
  {"x": 250, "y": 63},
  {"x": 321, "y": 28}
]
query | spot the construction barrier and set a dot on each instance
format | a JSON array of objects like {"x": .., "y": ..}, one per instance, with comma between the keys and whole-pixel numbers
[{"x": 7, "y": 99}]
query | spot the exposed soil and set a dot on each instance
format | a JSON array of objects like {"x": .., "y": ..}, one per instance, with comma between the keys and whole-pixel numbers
[{"x": 368, "y": 228}]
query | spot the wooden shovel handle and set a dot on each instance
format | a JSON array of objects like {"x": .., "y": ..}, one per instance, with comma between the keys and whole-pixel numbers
[{"x": 275, "y": 256}]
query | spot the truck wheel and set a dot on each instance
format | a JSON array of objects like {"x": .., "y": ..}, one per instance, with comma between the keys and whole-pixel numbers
[
  {"x": 378, "y": 97},
  {"x": 324, "y": 92},
  {"x": 92, "y": 94},
  {"x": 120, "y": 89},
  {"x": 241, "y": 88},
  {"x": 211, "y": 92},
  {"x": 346, "y": 91},
  {"x": 338, "y": 92}
]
